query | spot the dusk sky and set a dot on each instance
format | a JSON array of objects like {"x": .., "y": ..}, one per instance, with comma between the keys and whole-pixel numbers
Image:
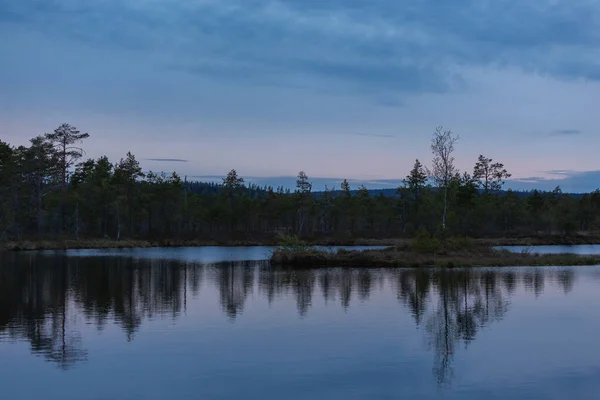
[{"x": 337, "y": 88}]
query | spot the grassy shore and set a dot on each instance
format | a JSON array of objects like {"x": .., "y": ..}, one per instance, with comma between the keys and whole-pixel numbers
[
  {"x": 478, "y": 256},
  {"x": 61, "y": 244},
  {"x": 400, "y": 253},
  {"x": 27, "y": 245},
  {"x": 540, "y": 240}
]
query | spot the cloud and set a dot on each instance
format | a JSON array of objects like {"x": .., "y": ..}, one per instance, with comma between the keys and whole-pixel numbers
[
  {"x": 565, "y": 132},
  {"x": 563, "y": 172},
  {"x": 378, "y": 48},
  {"x": 167, "y": 160}
]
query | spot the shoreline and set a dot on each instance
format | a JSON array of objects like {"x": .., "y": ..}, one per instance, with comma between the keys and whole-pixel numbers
[
  {"x": 70, "y": 244},
  {"x": 478, "y": 256}
]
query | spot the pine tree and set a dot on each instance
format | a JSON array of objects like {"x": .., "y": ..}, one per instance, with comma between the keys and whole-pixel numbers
[
  {"x": 7, "y": 187},
  {"x": 63, "y": 139},
  {"x": 303, "y": 190},
  {"x": 126, "y": 175},
  {"x": 303, "y": 186},
  {"x": 232, "y": 181},
  {"x": 490, "y": 176},
  {"x": 416, "y": 180},
  {"x": 345, "y": 186}
]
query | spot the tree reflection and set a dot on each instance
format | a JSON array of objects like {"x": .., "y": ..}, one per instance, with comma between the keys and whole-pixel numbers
[
  {"x": 327, "y": 283},
  {"x": 413, "y": 290},
  {"x": 48, "y": 299},
  {"x": 565, "y": 278},
  {"x": 236, "y": 281},
  {"x": 36, "y": 306},
  {"x": 464, "y": 301},
  {"x": 303, "y": 285},
  {"x": 44, "y": 298}
]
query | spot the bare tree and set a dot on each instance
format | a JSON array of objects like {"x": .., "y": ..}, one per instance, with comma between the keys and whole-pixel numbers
[{"x": 443, "y": 169}]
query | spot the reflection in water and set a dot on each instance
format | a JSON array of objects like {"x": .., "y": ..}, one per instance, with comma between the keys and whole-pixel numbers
[
  {"x": 235, "y": 283},
  {"x": 42, "y": 297},
  {"x": 466, "y": 302}
]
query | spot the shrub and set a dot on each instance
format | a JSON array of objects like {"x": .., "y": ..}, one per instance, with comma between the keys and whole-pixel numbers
[
  {"x": 424, "y": 243},
  {"x": 291, "y": 243},
  {"x": 458, "y": 243},
  {"x": 525, "y": 251}
]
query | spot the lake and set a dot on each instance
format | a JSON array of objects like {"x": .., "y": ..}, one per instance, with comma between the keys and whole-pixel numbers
[
  {"x": 220, "y": 323},
  {"x": 581, "y": 249}
]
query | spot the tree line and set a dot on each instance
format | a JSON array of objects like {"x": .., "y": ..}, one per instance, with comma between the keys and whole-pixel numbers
[{"x": 48, "y": 190}]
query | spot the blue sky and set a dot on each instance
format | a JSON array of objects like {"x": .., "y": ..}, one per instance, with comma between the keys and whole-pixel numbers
[{"x": 337, "y": 88}]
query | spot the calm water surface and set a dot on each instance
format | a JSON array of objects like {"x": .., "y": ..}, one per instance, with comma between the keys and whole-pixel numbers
[
  {"x": 582, "y": 249},
  {"x": 178, "y": 324},
  {"x": 206, "y": 254}
]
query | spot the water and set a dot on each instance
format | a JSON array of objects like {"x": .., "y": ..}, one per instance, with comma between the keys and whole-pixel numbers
[
  {"x": 91, "y": 326},
  {"x": 581, "y": 249},
  {"x": 206, "y": 254}
]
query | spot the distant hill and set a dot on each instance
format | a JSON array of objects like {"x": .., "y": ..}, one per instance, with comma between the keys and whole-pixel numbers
[
  {"x": 578, "y": 183},
  {"x": 394, "y": 193},
  {"x": 213, "y": 188},
  {"x": 253, "y": 190}
]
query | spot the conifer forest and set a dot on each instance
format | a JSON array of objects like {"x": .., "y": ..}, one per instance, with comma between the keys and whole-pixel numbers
[{"x": 48, "y": 189}]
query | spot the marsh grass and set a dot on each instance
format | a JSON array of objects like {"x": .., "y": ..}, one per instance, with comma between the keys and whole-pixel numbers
[
  {"x": 72, "y": 244},
  {"x": 475, "y": 256},
  {"x": 427, "y": 245}
]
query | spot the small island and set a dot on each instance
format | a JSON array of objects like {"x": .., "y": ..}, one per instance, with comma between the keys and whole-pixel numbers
[{"x": 423, "y": 251}]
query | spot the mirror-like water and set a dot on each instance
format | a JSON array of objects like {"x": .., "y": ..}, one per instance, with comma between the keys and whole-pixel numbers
[
  {"x": 582, "y": 249},
  {"x": 128, "y": 327},
  {"x": 206, "y": 254}
]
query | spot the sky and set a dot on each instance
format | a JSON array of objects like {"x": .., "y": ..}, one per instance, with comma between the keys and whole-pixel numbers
[{"x": 336, "y": 88}]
